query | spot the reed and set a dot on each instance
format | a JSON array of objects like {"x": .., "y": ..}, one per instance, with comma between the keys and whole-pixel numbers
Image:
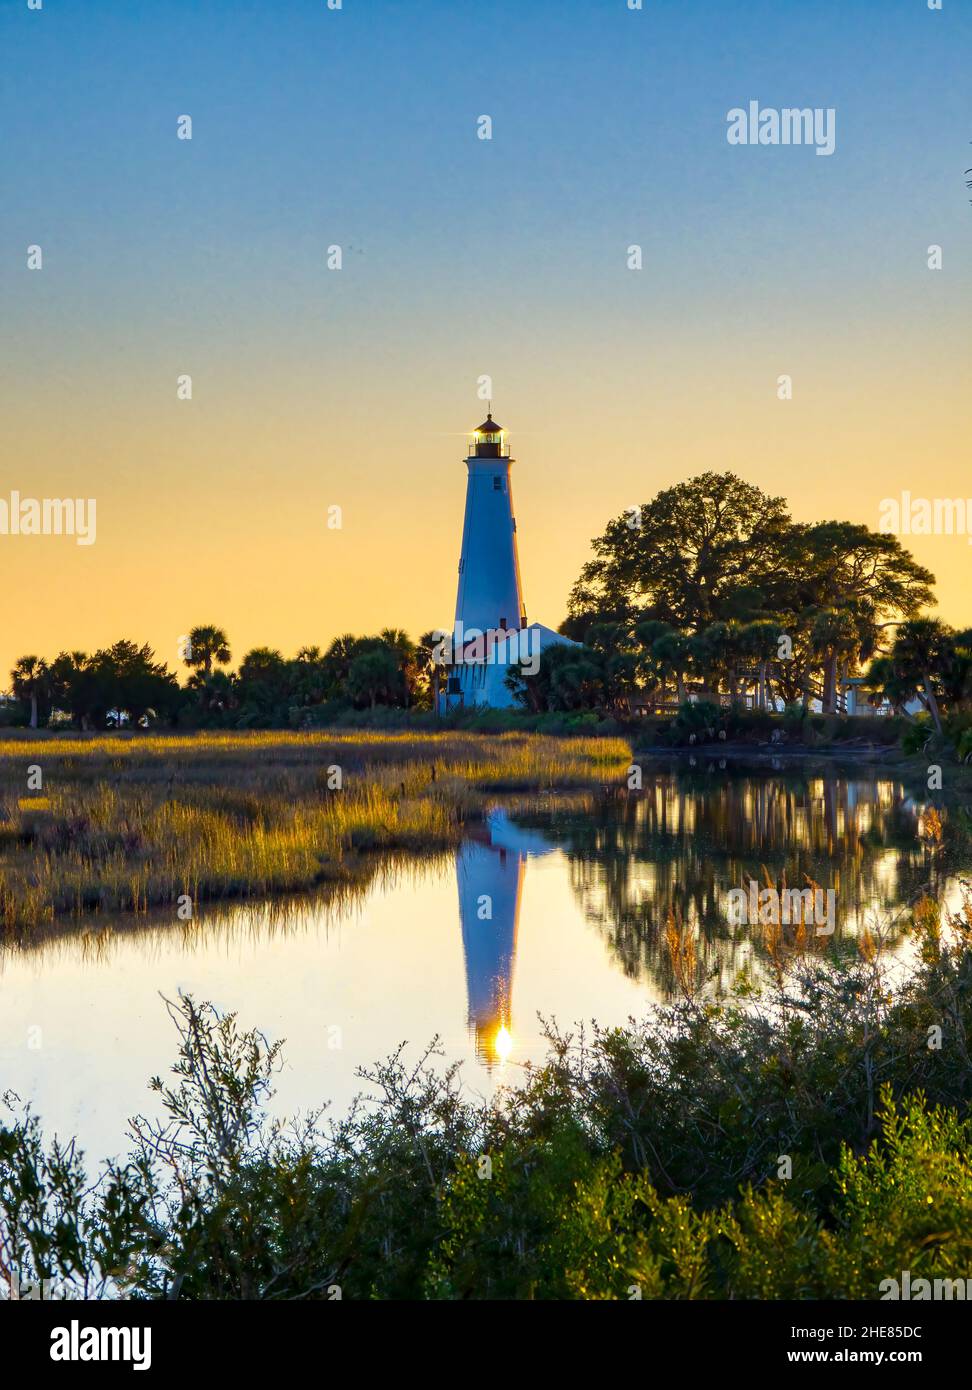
[{"x": 130, "y": 822}]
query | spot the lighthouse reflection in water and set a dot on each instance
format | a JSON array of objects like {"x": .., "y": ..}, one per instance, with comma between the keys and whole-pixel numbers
[{"x": 490, "y": 866}]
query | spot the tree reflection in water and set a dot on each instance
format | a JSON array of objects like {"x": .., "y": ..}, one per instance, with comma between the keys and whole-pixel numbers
[{"x": 688, "y": 837}]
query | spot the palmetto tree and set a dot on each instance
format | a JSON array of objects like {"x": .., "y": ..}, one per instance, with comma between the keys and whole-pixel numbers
[
  {"x": 621, "y": 662},
  {"x": 403, "y": 649},
  {"x": 71, "y": 685},
  {"x": 922, "y": 659},
  {"x": 309, "y": 676},
  {"x": 882, "y": 680},
  {"x": 714, "y": 657},
  {"x": 338, "y": 659},
  {"x": 30, "y": 683},
  {"x": 760, "y": 642},
  {"x": 374, "y": 675},
  {"x": 428, "y": 663},
  {"x": 670, "y": 653},
  {"x": 960, "y": 680},
  {"x": 835, "y": 636},
  {"x": 206, "y": 645}
]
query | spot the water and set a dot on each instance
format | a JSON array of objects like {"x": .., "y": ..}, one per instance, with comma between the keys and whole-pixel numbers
[{"x": 559, "y": 912}]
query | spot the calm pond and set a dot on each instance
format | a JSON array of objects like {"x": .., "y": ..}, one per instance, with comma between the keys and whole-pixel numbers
[{"x": 557, "y": 912}]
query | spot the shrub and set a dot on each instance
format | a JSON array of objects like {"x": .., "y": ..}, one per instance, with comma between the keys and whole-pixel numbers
[
  {"x": 918, "y": 735},
  {"x": 642, "y": 1158},
  {"x": 697, "y": 722}
]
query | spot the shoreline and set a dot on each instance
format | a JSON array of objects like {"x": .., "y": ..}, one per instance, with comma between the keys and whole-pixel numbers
[{"x": 910, "y": 768}]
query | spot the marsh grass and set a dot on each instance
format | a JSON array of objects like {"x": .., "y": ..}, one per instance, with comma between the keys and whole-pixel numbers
[
  {"x": 126, "y": 823},
  {"x": 227, "y": 922}
]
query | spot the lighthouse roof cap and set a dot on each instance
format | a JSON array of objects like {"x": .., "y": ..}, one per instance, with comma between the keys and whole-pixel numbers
[{"x": 489, "y": 426}]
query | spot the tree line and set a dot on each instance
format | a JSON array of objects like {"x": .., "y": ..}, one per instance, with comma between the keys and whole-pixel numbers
[
  {"x": 124, "y": 683},
  {"x": 711, "y": 591}
]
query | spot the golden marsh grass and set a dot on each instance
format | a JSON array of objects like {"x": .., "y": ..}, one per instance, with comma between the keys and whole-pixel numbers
[{"x": 130, "y": 822}]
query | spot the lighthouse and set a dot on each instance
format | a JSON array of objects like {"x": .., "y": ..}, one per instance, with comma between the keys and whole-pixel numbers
[
  {"x": 490, "y": 595},
  {"x": 491, "y": 635}
]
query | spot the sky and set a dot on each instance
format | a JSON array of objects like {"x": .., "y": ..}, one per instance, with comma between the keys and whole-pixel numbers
[{"x": 315, "y": 388}]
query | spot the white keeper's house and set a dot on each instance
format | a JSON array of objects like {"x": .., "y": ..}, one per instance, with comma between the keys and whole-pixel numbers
[{"x": 491, "y": 632}]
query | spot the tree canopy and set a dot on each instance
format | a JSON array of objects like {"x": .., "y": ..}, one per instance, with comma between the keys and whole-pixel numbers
[
  {"x": 713, "y": 581},
  {"x": 717, "y": 549}
]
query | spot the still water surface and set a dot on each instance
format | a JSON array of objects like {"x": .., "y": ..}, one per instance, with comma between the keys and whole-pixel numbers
[{"x": 559, "y": 912}]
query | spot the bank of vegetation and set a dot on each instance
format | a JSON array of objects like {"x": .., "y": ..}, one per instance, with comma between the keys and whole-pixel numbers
[
  {"x": 810, "y": 1139},
  {"x": 710, "y": 594},
  {"x": 130, "y": 822}
]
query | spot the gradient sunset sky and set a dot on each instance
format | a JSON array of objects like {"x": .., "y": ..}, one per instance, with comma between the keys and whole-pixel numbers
[{"x": 462, "y": 257}]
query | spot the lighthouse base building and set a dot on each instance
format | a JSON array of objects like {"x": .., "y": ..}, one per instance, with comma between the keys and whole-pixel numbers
[{"x": 491, "y": 636}]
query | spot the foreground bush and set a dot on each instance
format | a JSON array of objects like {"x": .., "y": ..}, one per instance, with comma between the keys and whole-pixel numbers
[{"x": 810, "y": 1141}]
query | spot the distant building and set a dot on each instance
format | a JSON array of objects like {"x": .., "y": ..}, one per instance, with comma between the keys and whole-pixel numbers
[
  {"x": 858, "y": 699},
  {"x": 491, "y": 635}
]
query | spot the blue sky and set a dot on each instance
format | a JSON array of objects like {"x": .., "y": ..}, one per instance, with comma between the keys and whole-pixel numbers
[{"x": 358, "y": 127}]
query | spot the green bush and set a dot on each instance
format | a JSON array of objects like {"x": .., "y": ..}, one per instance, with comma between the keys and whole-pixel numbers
[
  {"x": 697, "y": 722},
  {"x": 752, "y": 723},
  {"x": 917, "y": 735},
  {"x": 13, "y": 716},
  {"x": 738, "y": 1149},
  {"x": 793, "y": 718},
  {"x": 958, "y": 730}
]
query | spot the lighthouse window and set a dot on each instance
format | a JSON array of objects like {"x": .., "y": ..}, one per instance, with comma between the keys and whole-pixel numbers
[{"x": 497, "y": 483}]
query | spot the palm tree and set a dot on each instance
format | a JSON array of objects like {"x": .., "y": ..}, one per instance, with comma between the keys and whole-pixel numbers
[
  {"x": 339, "y": 656},
  {"x": 922, "y": 657},
  {"x": 956, "y": 675},
  {"x": 70, "y": 684},
  {"x": 29, "y": 681},
  {"x": 760, "y": 640},
  {"x": 373, "y": 675},
  {"x": 670, "y": 653},
  {"x": 835, "y": 636},
  {"x": 206, "y": 645},
  {"x": 427, "y": 664},
  {"x": 620, "y": 660},
  {"x": 403, "y": 649},
  {"x": 713, "y": 655},
  {"x": 309, "y": 676},
  {"x": 883, "y": 681}
]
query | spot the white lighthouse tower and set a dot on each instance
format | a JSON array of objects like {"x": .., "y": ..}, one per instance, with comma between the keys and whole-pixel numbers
[
  {"x": 490, "y": 596},
  {"x": 491, "y": 632}
]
